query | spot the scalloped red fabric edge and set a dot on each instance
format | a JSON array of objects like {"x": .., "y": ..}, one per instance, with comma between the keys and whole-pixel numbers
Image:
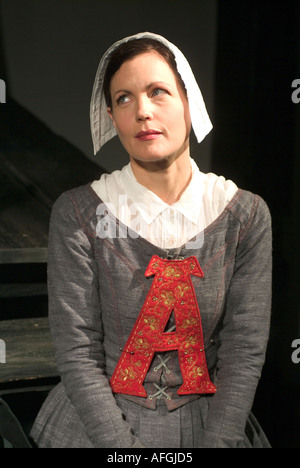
[{"x": 171, "y": 291}]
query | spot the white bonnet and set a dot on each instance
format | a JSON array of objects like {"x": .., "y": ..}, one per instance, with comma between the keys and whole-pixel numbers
[{"x": 101, "y": 125}]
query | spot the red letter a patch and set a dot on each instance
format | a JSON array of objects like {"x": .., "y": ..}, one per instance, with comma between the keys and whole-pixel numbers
[{"x": 172, "y": 290}]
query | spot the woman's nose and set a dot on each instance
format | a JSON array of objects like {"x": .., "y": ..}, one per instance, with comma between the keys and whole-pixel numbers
[{"x": 144, "y": 110}]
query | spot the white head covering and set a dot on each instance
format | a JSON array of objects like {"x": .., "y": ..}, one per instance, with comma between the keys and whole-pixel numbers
[{"x": 101, "y": 125}]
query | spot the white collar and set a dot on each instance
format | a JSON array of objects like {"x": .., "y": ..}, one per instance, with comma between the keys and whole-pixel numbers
[
  {"x": 150, "y": 205},
  {"x": 202, "y": 202}
]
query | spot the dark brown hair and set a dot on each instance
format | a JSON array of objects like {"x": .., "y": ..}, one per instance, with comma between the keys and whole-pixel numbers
[{"x": 129, "y": 50}]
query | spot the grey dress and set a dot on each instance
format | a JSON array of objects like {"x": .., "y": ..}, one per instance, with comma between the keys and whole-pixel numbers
[{"x": 97, "y": 288}]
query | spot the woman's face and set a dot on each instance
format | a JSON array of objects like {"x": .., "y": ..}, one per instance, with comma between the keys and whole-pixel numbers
[{"x": 150, "y": 110}]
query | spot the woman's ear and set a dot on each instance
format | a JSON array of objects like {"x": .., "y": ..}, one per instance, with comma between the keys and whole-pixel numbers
[{"x": 109, "y": 112}]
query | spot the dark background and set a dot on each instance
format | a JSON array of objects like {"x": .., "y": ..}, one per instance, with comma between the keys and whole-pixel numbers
[
  {"x": 245, "y": 55},
  {"x": 256, "y": 142}
]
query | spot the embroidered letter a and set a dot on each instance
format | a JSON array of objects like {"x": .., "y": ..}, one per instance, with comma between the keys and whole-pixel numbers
[{"x": 172, "y": 290}]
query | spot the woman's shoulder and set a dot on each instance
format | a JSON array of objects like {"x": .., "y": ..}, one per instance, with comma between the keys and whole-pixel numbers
[
  {"x": 79, "y": 202},
  {"x": 250, "y": 209},
  {"x": 222, "y": 195}
]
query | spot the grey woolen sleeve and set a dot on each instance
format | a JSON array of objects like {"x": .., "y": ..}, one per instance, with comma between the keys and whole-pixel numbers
[
  {"x": 244, "y": 333},
  {"x": 76, "y": 327}
]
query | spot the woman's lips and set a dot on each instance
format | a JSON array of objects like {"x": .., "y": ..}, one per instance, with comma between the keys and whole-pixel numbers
[{"x": 148, "y": 135}]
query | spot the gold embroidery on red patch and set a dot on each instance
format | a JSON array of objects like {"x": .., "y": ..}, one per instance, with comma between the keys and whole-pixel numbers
[{"x": 172, "y": 290}]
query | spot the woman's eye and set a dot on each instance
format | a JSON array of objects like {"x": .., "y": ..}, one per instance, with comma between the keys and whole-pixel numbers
[
  {"x": 123, "y": 99},
  {"x": 158, "y": 91}
]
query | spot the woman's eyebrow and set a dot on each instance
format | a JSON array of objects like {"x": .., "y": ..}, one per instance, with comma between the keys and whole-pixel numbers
[
  {"x": 149, "y": 86},
  {"x": 123, "y": 91},
  {"x": 157, "y": 83}
]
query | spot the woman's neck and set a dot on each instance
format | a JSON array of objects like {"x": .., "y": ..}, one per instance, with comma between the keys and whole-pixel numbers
[{"x": 167, "y": 179}]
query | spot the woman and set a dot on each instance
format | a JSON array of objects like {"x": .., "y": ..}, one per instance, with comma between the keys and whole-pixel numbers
[{"x": 159, "y": 276}]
